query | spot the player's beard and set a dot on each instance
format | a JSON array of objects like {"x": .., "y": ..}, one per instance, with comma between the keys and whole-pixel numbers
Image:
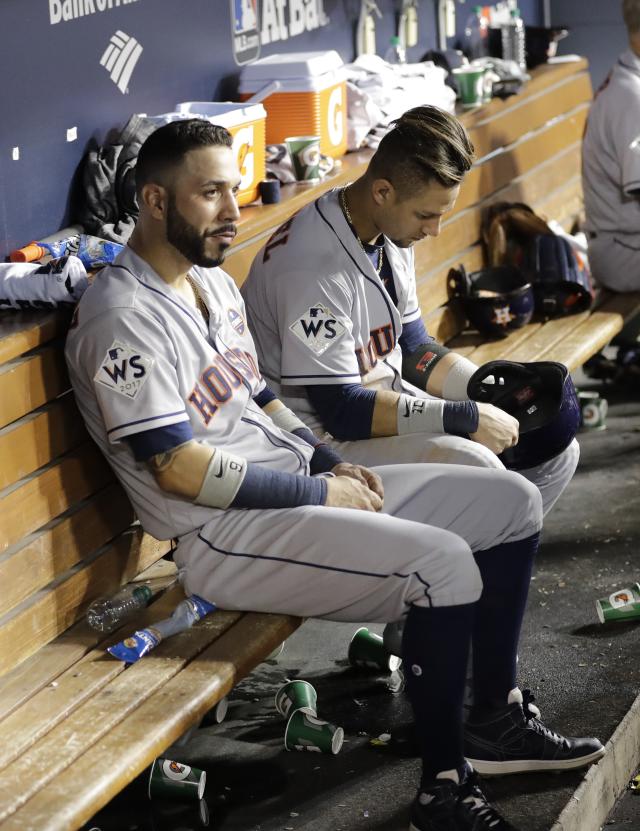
[{"x": 188, "y": 240}]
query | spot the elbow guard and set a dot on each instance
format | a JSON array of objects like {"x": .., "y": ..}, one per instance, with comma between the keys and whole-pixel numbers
[{"x": 418, "y": 366}]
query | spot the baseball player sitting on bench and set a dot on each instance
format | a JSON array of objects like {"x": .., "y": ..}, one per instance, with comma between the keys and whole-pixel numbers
[
  {"x": 166, "y": 377},
  {"x": 332, "y": 305}
]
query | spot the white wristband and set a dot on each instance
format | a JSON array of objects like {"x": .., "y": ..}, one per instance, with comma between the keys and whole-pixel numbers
[
  {"x": 286, "y": 419},
  {"x": 222, "y": 480},
  {"x": 454, "y": 386},
  {"x": 419, "y": 415}
]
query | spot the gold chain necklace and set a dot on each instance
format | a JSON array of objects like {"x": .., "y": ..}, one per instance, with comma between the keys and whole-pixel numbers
[
  {"x": 200, "y": 304},
  {"x": 347, "y": 214}
]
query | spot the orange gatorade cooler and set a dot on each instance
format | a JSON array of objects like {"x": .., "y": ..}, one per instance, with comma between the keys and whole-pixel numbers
[
  {"x": 311, "y": 98},
  {"x": 247, "y": 126}
]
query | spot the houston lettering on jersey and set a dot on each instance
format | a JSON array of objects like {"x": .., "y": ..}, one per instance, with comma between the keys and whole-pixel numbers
[
  {"x": 380, "y": 344},
  {"x": 219, "y": 382},
  {"x": 279, "y": 237}
]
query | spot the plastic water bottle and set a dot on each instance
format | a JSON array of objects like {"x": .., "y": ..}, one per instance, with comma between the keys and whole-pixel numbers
[
  {"x": 395, "y": 53},
  {"x": 513, "y": 40},
  {"x": 476, "y": 35},
  {"x": 106, "y": 613}
]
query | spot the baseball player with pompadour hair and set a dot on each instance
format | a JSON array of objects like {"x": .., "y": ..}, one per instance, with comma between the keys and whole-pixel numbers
[
  {"x": 332, "y": 305},
  {"x": 269, "y": 519}
]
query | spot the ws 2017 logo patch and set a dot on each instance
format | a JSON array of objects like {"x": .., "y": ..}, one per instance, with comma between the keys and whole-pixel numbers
[
  {"x": 318, "y": 328},
  {"x": 124, "y": 369}
]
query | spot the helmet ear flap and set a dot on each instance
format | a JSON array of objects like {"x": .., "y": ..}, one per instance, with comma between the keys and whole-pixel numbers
[{"x": 458, "y": 282}]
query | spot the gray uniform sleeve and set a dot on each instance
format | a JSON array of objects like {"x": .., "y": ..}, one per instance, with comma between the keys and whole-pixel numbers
[
  {"x": 627, "y": 138},
  {"x": 131, "y": 363}
]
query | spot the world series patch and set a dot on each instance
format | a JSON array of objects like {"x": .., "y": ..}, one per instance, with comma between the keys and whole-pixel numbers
[
  {"x": 124, "y": 369},
  {"x": 318, "y": 328}
]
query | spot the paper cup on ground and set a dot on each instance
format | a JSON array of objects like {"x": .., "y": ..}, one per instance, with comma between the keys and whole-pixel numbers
[
  {"x": 173, "y": 780},
  {"x": 593, "y": 410},
  {"x": 305, "y": 156},
  {"x": 367, "y": 650},
  {"x": 623, "y": 604},
  {"x": 471, "y": 85},
  {"x": 306, "y": 732},
  {"x": 296, "y": 695}
]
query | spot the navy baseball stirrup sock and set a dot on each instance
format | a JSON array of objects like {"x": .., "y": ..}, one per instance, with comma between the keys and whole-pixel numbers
[
  {"x": 435, "y": 647},
  {"x": 506, "y": 575}
]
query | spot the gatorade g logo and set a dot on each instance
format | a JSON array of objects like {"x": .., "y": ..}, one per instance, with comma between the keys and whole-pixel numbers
[
  {"x": 243, "y": 148},
  {"x": 335, "y": 116},
  {"x": 310, "y": 155},
  {"x": 175, "y": 771},
  {"x": 621, "y": 598}
]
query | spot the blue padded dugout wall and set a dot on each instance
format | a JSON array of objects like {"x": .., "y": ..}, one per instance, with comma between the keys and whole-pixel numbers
[{"x": 58, "y": 94}]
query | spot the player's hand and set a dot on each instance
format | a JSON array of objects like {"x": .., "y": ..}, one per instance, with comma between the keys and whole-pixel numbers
[
  {"x": 362, "y": 474},
  {"x": 347, "y": 492},
  {"x": 497, "y": 430}
]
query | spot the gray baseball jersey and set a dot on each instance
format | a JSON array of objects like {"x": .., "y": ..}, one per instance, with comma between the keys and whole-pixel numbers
[
  {"x": 140, "y": 358},
  {"x": 332, "y": 325},
  {"x": 611, "y": 177}
]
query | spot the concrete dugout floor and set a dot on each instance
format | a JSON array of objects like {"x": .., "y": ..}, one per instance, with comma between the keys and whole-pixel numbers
[{"x": 584, "y": 675}]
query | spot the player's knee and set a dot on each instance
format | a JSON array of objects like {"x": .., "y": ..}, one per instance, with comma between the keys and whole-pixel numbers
[
  {"x": 455, "y": 450},
  {"x": 454, "y": 577},
  {"x": 526, "y": 500}
]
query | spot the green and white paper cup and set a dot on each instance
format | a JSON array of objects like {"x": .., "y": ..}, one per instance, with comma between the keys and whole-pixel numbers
[
  {"x": 623, "y": 604},
  {"x": 367, "y": 650},
  {"x": 306, "y": 732},
  {"x": 593, "y": 410},
  {"x": 296, "y": 695},
  {"x": 305, "y": 156},
  {"x": 471, "y": 85},
  {"x": 173, "y": 780}
]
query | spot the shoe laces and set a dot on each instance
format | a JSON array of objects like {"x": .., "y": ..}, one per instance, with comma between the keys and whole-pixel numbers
[
  {"x": 533, "y": 720},
  {"x": 472, "y": 796}
]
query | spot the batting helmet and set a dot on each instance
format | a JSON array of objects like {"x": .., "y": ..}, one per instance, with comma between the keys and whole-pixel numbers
[
  {"x": 541, "y": 396},
  {"x": 496, "y": 300}
]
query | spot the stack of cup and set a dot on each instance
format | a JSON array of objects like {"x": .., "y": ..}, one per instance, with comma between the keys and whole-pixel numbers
[
  {"x": 305, "y": 157},
  {"x": 296, "y": 701}
]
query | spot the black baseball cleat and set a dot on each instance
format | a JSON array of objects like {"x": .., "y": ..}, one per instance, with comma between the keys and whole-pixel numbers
[
  {"x": 445, "y": 805},
  {"x": 513, "y": 740}
]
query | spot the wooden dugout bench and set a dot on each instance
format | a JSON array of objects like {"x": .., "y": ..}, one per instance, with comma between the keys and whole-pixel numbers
[{"x": 75, "y": 725}]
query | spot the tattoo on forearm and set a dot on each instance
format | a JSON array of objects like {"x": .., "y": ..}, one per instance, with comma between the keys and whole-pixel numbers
[{"x": 161, "y": 461}]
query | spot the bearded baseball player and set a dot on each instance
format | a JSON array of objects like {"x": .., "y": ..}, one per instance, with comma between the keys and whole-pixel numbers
[
  {"x": 331, "y": 301},
  {"x": 269, "y": 519}
]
